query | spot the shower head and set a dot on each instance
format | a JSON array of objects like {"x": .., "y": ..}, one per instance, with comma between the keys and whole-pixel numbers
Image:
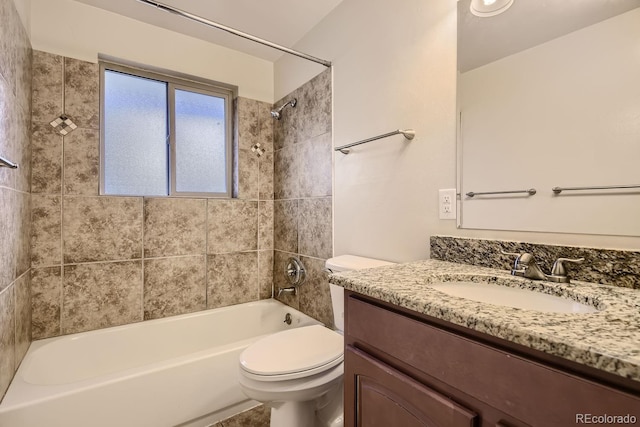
[{"x": 276, "y": 114}]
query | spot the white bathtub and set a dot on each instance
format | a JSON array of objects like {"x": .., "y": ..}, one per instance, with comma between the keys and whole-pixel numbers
[{"x": 177, "y": 371}]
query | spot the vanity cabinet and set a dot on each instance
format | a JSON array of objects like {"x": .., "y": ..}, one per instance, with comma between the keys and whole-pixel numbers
[{"x": 407, "y": 369}]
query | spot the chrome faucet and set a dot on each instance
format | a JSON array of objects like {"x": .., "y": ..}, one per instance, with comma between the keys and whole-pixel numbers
[{"x": 526, "y": 266}]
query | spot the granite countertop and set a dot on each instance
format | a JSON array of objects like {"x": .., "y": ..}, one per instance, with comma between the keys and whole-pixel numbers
[{"x": 608, "y": 339}]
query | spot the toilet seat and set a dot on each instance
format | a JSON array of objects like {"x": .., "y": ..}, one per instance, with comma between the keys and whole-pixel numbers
[{"x": 295, "y": 353}]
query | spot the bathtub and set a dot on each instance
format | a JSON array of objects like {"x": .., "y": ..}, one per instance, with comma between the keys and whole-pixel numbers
[{"x": 177, "y": 371}]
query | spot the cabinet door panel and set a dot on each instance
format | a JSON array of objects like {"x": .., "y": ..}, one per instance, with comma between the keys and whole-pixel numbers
[
  {"x": 385, "y": 397},
  {"x": 507, "y": 382}
]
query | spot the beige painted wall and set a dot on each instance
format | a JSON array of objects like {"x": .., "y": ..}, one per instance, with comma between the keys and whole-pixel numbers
[
  {"x": 395, "y": 67},
  {"x": 75, "y": 30}
]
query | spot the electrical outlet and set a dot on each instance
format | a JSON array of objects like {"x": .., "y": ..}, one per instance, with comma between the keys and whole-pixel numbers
[{"x": 447, "y": 203}]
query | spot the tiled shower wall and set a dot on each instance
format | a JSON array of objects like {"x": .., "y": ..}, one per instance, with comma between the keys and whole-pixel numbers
[
  {"x": 15, "y": 200},
  {"x": 99, "y": 261},
  {"x": 303, "y": 203}
]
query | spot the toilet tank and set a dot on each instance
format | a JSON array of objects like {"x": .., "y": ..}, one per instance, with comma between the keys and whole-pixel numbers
[{"x": 346, "y": 263}]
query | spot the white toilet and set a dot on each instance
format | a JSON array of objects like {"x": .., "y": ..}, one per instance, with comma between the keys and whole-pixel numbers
[{"x": 298, "y": 372}]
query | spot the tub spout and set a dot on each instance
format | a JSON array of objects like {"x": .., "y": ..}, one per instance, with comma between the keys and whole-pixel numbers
[{"x": 289, "y": 290}]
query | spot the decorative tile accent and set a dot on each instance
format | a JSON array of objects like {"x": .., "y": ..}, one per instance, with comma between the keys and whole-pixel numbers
[
  {"x": 315, "y": 297},
  {"x": 7, "y": 338},
  {"x": 101, "y": 295},
  {"x": 314, "y": 231},
  {"x": 265, "y": 225},
  {"x": 285, "y": 226},
  {"x": 47, "y": 86},
  {"x": 174, "y": 286},
  {"x": 232, "y": 279},
  {"x": 605, "y": 266},
  {"x": 260, "y": 416},
  {"x": 46, "y": 158},
  {"x": 232, "y": 226},
  {"x": 46, "y": 230},
  {"x": 82, "y": 163},
  {"x": 63, "y": 125},
  {"x": 174, "y": 226},
  {"x": 257, "y": 148},
  {"x": 82, "y": 92},
  {"x": 22, "y": 290},
  {"x": 102, "y": 228},
  {"x": 46, "y": 299}
]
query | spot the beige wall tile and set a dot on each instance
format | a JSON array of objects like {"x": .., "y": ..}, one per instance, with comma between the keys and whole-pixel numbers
[
  {"x": 46, "y": 300},
  {"x": 286, "y": 173},
  {"x": 8, "y": 45},
  {"x": 265, "y": 123},
  {"x": 47, "y": 87},
  {"x": 174, "y": 286},
  {"x": 101, "y": 295},
  {"x": 265, "y": 225},
  {"x": 285, "y": 225},
  {"x": 7, "y": 338},
  {"x": 265, "y": 273},
  {"x": 8, "y": 130},
  {"x": 22, "y": 290},
  {"x": 266, "y": 170},
  {"x": 247, "y": 123},
  {"x": 8, "y": 236},
  {"x": 232, "y": 278},
  {"x": 315, "y": 297},
  {"x": 232, "y": 226},
  {"x": 248, "y": 175},
  {"x": 23, "y": 151},
  {"x": 174, "y": 226},
  {"x": 102, "y": 228},
  {"x": 23, "y": 233},
  {"x": 82, "y": 92},
  {"x": 314, "y": 232},
  {"x": 82, "y": 162},
  {"x": 46, "y": 230},
  {"x": 46, "y": 173},
  {"x": 315, "y": 164}
]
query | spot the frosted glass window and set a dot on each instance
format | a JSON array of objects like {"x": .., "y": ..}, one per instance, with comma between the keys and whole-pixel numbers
[
  {"x": 164, "y": 135},
  {"x": 135, "y": 151},
  {"x": 200, "y": 147}
]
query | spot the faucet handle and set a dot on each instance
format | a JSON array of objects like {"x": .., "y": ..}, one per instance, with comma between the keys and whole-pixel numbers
[{"x": 558, "y": 266}]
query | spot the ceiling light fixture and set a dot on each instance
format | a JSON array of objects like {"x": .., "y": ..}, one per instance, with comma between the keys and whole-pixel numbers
[{"x": 487, "y": 8}]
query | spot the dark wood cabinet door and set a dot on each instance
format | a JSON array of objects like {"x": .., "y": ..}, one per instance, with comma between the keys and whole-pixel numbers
[{"x": 377, "y": 395}]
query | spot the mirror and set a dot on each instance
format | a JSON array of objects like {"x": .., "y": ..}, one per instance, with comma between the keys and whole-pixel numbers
[{"x": 549, "y": 96}]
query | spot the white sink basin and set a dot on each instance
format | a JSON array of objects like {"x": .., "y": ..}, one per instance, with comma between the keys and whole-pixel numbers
[{"x": 512, "y": 297}]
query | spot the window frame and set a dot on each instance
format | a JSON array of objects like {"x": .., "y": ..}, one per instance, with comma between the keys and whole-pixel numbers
[{"x": 173, "y": 83}]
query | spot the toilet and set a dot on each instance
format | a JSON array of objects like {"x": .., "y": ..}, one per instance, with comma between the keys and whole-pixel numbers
[{"x": 298, "y": 372}]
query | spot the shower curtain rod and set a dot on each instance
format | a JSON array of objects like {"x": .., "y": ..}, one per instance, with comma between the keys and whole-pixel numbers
[{"x": 233, "y": 31}]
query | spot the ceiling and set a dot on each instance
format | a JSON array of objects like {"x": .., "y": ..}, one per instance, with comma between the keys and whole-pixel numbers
[
  {"x": 280, "y": 21},
  {"x": 526, "y": 24}
]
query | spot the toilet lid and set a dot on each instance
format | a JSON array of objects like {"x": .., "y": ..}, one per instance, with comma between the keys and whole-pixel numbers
[{"x": 292, "y": 351}]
